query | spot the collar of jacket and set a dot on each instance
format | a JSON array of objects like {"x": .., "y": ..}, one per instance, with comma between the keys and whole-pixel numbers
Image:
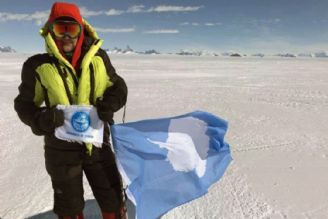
[{"x": 53, "y": 50}]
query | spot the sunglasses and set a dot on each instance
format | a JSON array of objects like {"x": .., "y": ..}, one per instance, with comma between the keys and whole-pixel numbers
[{"x": 60, "y": 29}]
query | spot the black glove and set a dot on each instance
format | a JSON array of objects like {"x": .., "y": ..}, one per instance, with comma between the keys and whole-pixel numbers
[
  {"x": 49, "y": 119},
  {"x": 104, "y": 111}
]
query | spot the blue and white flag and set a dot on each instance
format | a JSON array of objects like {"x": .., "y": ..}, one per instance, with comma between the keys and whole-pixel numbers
[{"x": 168, "y": 162}]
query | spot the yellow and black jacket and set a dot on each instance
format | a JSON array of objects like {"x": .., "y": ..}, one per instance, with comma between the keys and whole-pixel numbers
[{"x": 50, "y": 79}]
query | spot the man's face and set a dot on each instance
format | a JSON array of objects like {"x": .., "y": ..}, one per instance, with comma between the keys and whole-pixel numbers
[
  {"x": 66, "y": 43},
  {"x": 66, "y": 34}
]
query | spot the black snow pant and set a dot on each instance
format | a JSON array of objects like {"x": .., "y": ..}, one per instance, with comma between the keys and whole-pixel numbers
[{"x": 66, "y": 168}]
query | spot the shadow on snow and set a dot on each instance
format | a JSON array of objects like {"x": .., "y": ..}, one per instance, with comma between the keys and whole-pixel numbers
[{"x": 91, "y": 211}]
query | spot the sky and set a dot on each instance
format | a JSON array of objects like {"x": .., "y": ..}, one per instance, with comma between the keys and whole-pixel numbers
[{"x": 246, "y": 26}]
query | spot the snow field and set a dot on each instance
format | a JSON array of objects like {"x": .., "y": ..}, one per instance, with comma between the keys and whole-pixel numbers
[{"x": 277, "y": 109}]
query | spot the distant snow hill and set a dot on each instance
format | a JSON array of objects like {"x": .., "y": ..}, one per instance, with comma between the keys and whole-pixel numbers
[
  {"x": 289, "y": 55},
  {"x": 7, "y": 49},
  {"x": 311, "y": 55},
  {"x": 129, "y": 51},
  {"x": 192, "y": 52},
  {"x": 196, "y": 53},
  {"x": 321, "y": 54},
  {"x": 116, "y": 50}
]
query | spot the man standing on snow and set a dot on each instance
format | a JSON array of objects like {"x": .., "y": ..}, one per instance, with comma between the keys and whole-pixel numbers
[{"x": 74, "y": 71}]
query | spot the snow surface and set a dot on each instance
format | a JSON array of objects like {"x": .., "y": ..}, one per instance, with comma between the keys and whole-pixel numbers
[{"x": 278, "y": 121}]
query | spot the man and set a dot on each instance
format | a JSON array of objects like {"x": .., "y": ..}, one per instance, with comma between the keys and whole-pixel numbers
[{"x": 74, "y": 71}]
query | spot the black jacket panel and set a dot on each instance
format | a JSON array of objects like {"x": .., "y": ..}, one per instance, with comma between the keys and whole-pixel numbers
[
  {"x": 24, "y": 102},
  {"x": 115, "y": 95}
]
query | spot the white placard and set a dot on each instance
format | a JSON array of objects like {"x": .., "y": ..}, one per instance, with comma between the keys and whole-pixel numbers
[{"x": 82, "y": 124}]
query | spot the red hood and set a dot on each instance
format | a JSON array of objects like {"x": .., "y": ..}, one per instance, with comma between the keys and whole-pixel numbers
[{"x": 62, "y": 9}]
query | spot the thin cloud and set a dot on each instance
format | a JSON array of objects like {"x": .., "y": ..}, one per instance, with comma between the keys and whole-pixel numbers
[
  {"x": 41, "y": 17},
  {"x": 4, "y": 16},
  {"x": 264, "y": 21},
  {"x": 38, "y": 17},
  {"x": 114, "y": 12},
  {"x": 87, "y": 13},
  {"x": 184, "y": 23},
  {"x": 172, "y": 8},
  {"x": 162, "y": 31},
  {"x": 136, "y": 9},
  {"x": 161, "y": 8},
  {"x": 209, "y": 24},
  {"x": 115, "y": 30},
  {"x": 212, "y": 24}
]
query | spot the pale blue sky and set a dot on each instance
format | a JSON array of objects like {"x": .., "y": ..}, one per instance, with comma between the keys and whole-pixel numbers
[{"x": 248, "y": 26}]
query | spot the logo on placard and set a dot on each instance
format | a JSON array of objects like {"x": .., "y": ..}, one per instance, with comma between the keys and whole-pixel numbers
[{"x": 80, "y": 121}]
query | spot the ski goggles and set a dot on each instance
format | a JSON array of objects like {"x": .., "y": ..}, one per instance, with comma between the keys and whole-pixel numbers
[{"x": 61, "y": 28}]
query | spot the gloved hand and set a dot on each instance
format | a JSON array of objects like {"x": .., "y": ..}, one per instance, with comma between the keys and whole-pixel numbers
[
  {"x": 49, "y": 119},
  {"x": 104, "y": 111}
]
